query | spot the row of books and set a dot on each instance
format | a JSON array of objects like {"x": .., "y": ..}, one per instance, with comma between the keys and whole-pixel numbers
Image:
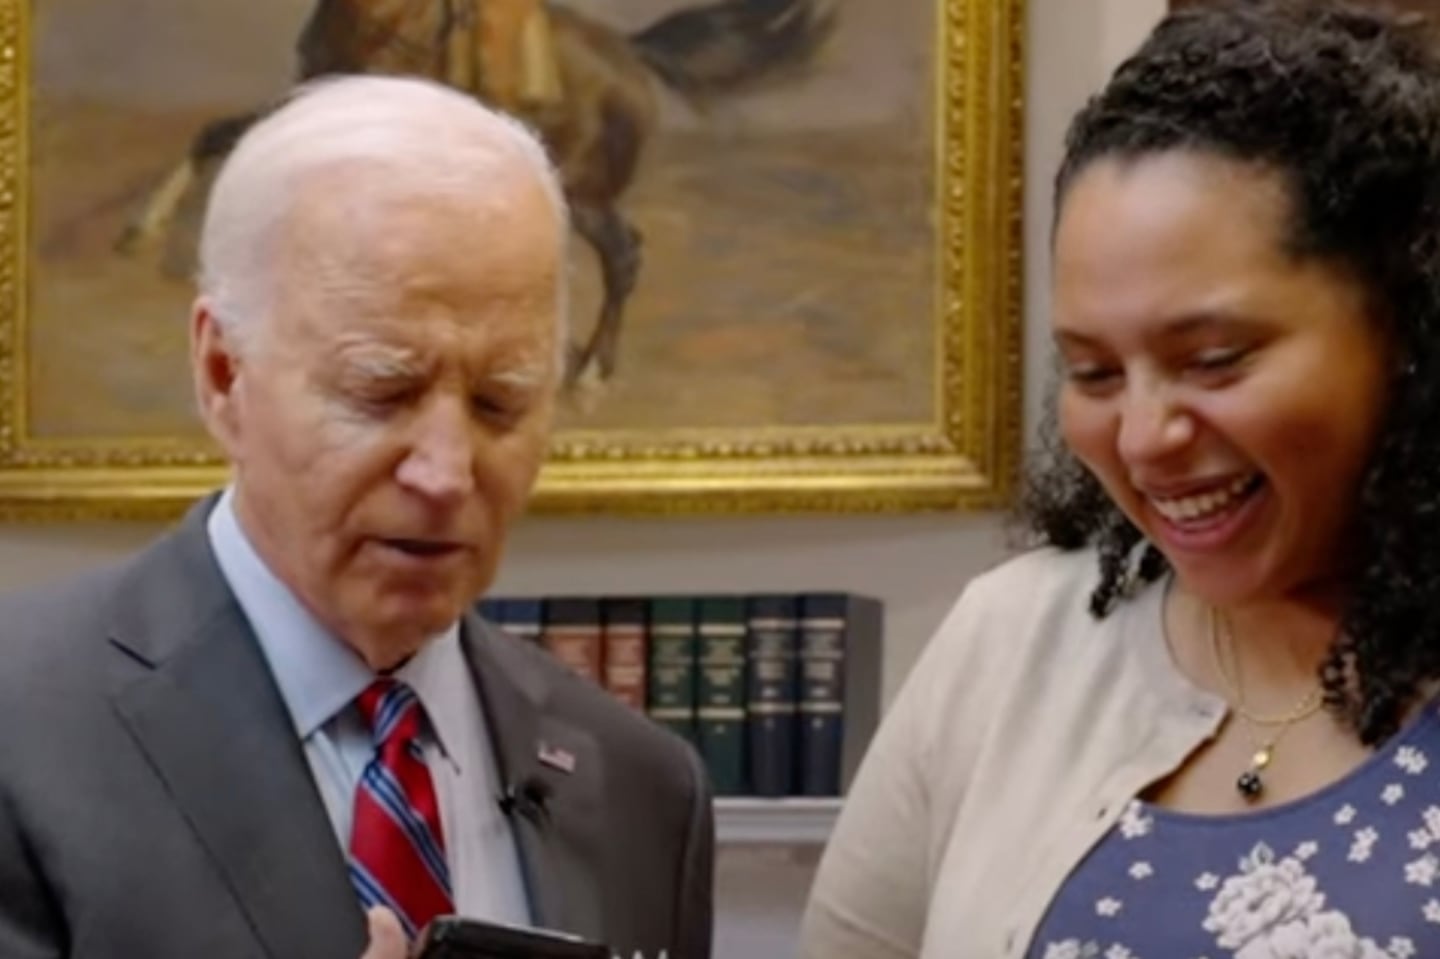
[{"x": 779, "y": 693}]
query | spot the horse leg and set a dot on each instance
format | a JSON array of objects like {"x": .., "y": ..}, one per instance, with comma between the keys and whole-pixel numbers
[
  {"x": 617, "y": 244},
  {"x": 215, "y": 140}
]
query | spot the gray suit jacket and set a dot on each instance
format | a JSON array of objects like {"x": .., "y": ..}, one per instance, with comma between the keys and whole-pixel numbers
[{"x": 155, "y": 802}]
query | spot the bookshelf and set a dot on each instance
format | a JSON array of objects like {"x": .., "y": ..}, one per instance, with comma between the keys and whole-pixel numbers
[
  {"x": 779, "y": 693},
  {"x": 742, "y": 820}
]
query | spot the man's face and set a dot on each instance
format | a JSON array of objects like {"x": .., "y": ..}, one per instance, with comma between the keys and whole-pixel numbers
[{"x": 387, "y": 419}]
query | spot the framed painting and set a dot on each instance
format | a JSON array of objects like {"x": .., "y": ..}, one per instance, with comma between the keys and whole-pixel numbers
[{"x": 824, "y": 234}]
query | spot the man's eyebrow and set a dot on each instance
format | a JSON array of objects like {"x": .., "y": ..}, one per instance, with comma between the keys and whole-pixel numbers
[
  {"x": 379, "y": 361},
  {"x": 526, "y": 376}
]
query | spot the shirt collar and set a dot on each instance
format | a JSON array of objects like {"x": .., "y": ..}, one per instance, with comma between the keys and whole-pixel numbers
[
  {"x": 438, "y": 674},
  {"x": 318, "y": 675}
]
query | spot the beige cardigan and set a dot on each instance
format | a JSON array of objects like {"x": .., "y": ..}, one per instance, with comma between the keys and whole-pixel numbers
[{"x": 1013, "y": 746}]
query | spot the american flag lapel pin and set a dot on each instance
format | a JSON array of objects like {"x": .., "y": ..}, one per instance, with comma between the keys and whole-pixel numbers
[{"x": 556, "y": 758}]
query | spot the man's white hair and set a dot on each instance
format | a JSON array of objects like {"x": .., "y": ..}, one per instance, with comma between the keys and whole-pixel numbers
[{"x": 426, "y": 135}]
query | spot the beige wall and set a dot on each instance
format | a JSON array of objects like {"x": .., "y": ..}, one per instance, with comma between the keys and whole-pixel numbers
[{"x": 916, "y": 564}]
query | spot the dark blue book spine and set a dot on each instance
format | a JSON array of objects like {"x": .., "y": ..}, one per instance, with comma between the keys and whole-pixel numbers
[
  {"x": 822, "y": 693},
  {"x": 494, "y": 609},
  {"x": 772, "y": 649}
]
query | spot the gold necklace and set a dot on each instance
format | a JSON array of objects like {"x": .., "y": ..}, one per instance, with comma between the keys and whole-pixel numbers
[{"x": 1249, "y": 783}]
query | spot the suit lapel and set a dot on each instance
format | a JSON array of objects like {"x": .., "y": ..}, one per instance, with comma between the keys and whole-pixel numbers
[
  {"x": 559, "y": 849},
  {"x": 210, "y": 720}
]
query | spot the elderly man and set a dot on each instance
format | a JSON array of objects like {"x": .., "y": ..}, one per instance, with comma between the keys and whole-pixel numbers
[{"x": 283, "y": 713}]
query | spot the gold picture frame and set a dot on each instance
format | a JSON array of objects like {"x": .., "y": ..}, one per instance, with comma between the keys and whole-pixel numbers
[{"x": 962, "y": 453}]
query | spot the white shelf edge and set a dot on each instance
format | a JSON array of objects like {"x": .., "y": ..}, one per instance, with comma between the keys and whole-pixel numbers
[{"x": 799, "y": 821}]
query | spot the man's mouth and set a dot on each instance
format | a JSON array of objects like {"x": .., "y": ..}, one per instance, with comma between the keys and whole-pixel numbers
[
  {"x": 422, "y": 548},
  {"x": 1205, "y": 506}
]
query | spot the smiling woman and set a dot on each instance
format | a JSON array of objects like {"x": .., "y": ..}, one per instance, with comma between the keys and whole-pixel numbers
[
  {"x": 1226, "y": 649},
  {"x": 1210, "y": 373}
]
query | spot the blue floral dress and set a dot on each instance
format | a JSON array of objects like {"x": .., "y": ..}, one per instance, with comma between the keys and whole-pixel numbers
[{"x": 1349, "y": 872}]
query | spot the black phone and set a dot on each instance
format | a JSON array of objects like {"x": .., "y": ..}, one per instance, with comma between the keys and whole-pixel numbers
[{"x": 454, "y": 937}]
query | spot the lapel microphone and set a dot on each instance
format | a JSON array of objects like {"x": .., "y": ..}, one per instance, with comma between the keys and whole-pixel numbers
[{"x": 529, "y": 797}]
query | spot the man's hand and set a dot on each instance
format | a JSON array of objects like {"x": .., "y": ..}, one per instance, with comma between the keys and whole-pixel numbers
[{"x": 387, "y": 939}]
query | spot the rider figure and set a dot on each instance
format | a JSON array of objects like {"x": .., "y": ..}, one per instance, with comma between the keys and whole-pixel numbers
[{"x": 506, "y": 50}]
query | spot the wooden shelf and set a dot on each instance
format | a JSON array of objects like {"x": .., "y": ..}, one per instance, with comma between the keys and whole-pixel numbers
[{"x": 780, "y": 822}]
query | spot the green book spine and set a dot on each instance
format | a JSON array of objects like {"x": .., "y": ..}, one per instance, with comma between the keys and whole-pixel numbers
[
  {"x": 670, "y": 679},
  {"x": 721, "y": 622}
]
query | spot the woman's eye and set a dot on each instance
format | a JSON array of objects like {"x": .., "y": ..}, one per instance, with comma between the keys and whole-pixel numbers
[{"x": 1090, "y": 374}]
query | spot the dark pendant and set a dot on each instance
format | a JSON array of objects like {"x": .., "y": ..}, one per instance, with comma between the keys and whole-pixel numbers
[{"x": 1250, "y": 784}]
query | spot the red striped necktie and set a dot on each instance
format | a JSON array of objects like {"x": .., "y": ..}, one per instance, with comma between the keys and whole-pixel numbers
[{"x": 397, "y": 851}]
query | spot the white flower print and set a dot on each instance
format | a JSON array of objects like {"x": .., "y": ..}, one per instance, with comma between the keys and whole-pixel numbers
[
  {"x": 1306, "y": 850},
  {"x": 1432, "y": 820},
  {"x": 1072, "y": 949},
  {"x": 1262, "y": 895},
  {"x": 1411, "y": 760},
  {"x": 1273, "y": 910},
  {"x": 1134, "y": 824},
  {"x": 1118, "y": 951},
  {"x": 1364, "y": 843},
  {"x": 1422, "y": 871},
  {"x": 1431, "y": 815},
  {"x": 1392, "y": 794},
  {"x": 1206, "y": 881},
  {"x": 1141, "y": 870},
  {"x": 1345, "y": 815},
  {"x": 1432, "y": 911},
  {"x": 1330, "y": 934},
  {"x": 1109, "y": 907},
  {"x": 1400, "y": 947}
]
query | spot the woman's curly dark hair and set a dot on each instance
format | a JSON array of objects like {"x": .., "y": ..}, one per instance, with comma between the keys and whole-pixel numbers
[{"x": 1343, "y": 103}]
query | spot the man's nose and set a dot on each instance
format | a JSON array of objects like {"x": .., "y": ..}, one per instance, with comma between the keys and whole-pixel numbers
[{"x": 440, "y": 463}]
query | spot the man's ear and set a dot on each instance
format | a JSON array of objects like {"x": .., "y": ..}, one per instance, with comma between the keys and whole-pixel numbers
[{"x": 215, "y": 368}]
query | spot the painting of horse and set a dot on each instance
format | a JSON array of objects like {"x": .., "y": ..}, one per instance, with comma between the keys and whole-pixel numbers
[
  {"x": 754, "y": 183},
  {"x": 596, "y": 129}
]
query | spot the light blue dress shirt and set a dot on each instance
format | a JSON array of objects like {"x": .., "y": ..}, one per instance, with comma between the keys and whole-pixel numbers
[{"x": 319, "y": 678}]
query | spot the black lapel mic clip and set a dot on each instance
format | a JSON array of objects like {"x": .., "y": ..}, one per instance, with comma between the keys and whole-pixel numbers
[{"x": 530, "y": 797}]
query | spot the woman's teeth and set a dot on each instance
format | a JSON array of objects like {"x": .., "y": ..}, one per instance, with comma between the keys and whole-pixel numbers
[{"x": 1203, "y": 505}]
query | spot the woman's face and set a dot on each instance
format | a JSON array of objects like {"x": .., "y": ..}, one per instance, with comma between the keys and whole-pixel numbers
[{"x": 1225, "y": 393}]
